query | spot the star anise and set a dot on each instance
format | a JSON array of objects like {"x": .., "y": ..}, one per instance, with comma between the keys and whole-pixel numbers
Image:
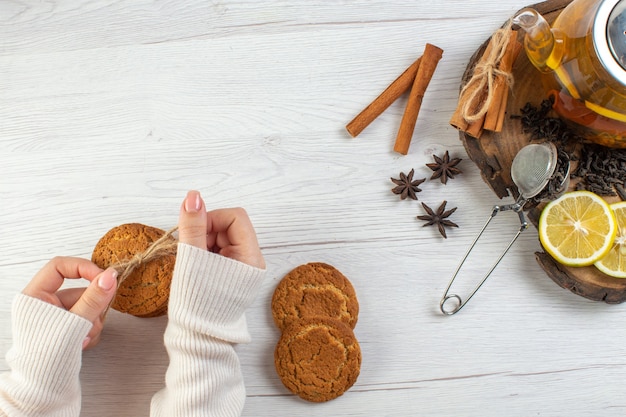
[
  {"x": 444, "y": 167},
  {"x": 406, "y": 187},
  {"x": 438, "y": 218}
]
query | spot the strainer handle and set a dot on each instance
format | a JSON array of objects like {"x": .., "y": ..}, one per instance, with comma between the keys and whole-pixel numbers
[{"x": 447, "y": 297}]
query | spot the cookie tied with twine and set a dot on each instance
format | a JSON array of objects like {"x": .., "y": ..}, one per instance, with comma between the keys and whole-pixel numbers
[{"x": 144, "y": 258}]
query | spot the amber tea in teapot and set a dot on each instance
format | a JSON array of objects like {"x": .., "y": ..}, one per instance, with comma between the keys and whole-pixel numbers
[{"x": 585, "y": 52}]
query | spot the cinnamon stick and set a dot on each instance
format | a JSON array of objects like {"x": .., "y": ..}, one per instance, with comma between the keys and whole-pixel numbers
[
  {"x": 499, "y": 124},
  {"x": 494, "y": 118},
  {"x": 384, "y": 100},
  {"x": 475, "y": 129},
  {"x": 430, "y": 59}
]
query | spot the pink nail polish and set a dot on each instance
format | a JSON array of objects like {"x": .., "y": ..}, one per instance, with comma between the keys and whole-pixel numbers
[
  {"x": 107, "y": 280},
  {"x": 193, "y": 202}
]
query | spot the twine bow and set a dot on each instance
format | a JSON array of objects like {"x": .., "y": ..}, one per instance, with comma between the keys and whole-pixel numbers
[{"x": 485, "y": 73}]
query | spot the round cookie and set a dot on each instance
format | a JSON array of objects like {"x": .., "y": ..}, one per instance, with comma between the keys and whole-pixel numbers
[
  {"x": 145, "y": 291},
  {"x": 314, "y": 289},
  {"x": 318, "y": 359}
]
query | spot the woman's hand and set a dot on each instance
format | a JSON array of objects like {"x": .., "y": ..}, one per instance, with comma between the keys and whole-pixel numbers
[
  {"x": 90, "y": 302},
  {"x": 227, "y": 232}
]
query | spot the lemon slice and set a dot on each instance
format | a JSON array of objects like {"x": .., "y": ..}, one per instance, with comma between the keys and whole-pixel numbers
[
  {"x": 614, "y": 262},
  {"x": 578, "y": 228}
]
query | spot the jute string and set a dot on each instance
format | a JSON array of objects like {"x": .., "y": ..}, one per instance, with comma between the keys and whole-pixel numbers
[
  {"x": 165, "y": 245},
  {"x": 483, "y": 79}
]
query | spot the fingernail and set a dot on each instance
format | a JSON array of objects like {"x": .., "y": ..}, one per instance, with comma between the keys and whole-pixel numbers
[
  {"x": 107, "y": 279},
  {"x": 193, "y": 202},
  {"x": 86, "y": 342}
]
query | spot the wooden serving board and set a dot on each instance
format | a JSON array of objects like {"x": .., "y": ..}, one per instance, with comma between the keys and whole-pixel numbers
[{"x": 493, "y": 153}]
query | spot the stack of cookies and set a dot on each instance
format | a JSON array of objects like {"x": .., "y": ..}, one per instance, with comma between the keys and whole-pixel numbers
[
  {"x": 145, "y": 292},
  {"x": 318, "y": 356}
]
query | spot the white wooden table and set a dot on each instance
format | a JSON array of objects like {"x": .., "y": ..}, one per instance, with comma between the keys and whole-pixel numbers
[{"x": 110, "y": 111}]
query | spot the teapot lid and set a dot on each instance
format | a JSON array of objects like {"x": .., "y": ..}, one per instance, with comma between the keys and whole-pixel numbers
[{"x": 609, "y": 37}]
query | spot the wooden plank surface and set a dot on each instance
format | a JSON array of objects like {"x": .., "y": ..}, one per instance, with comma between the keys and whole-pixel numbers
[{"x": 110, "y": 111}]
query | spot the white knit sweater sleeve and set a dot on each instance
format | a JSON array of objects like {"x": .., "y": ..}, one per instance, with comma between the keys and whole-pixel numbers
[
  {"x": 45, "y": 361},
  {"x": 208, "y": 297}
]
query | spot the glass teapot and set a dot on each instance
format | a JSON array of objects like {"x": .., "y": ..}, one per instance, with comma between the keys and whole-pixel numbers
[{"x": 585, "y": 51}]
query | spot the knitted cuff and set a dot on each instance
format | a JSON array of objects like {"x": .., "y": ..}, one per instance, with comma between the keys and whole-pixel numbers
[
  {"x": 45, "y": 358},
  {"x": 210, "y": 293}
]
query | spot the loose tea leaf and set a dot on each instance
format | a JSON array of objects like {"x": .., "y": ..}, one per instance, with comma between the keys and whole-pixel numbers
[{"x": 537, "y": 122}]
